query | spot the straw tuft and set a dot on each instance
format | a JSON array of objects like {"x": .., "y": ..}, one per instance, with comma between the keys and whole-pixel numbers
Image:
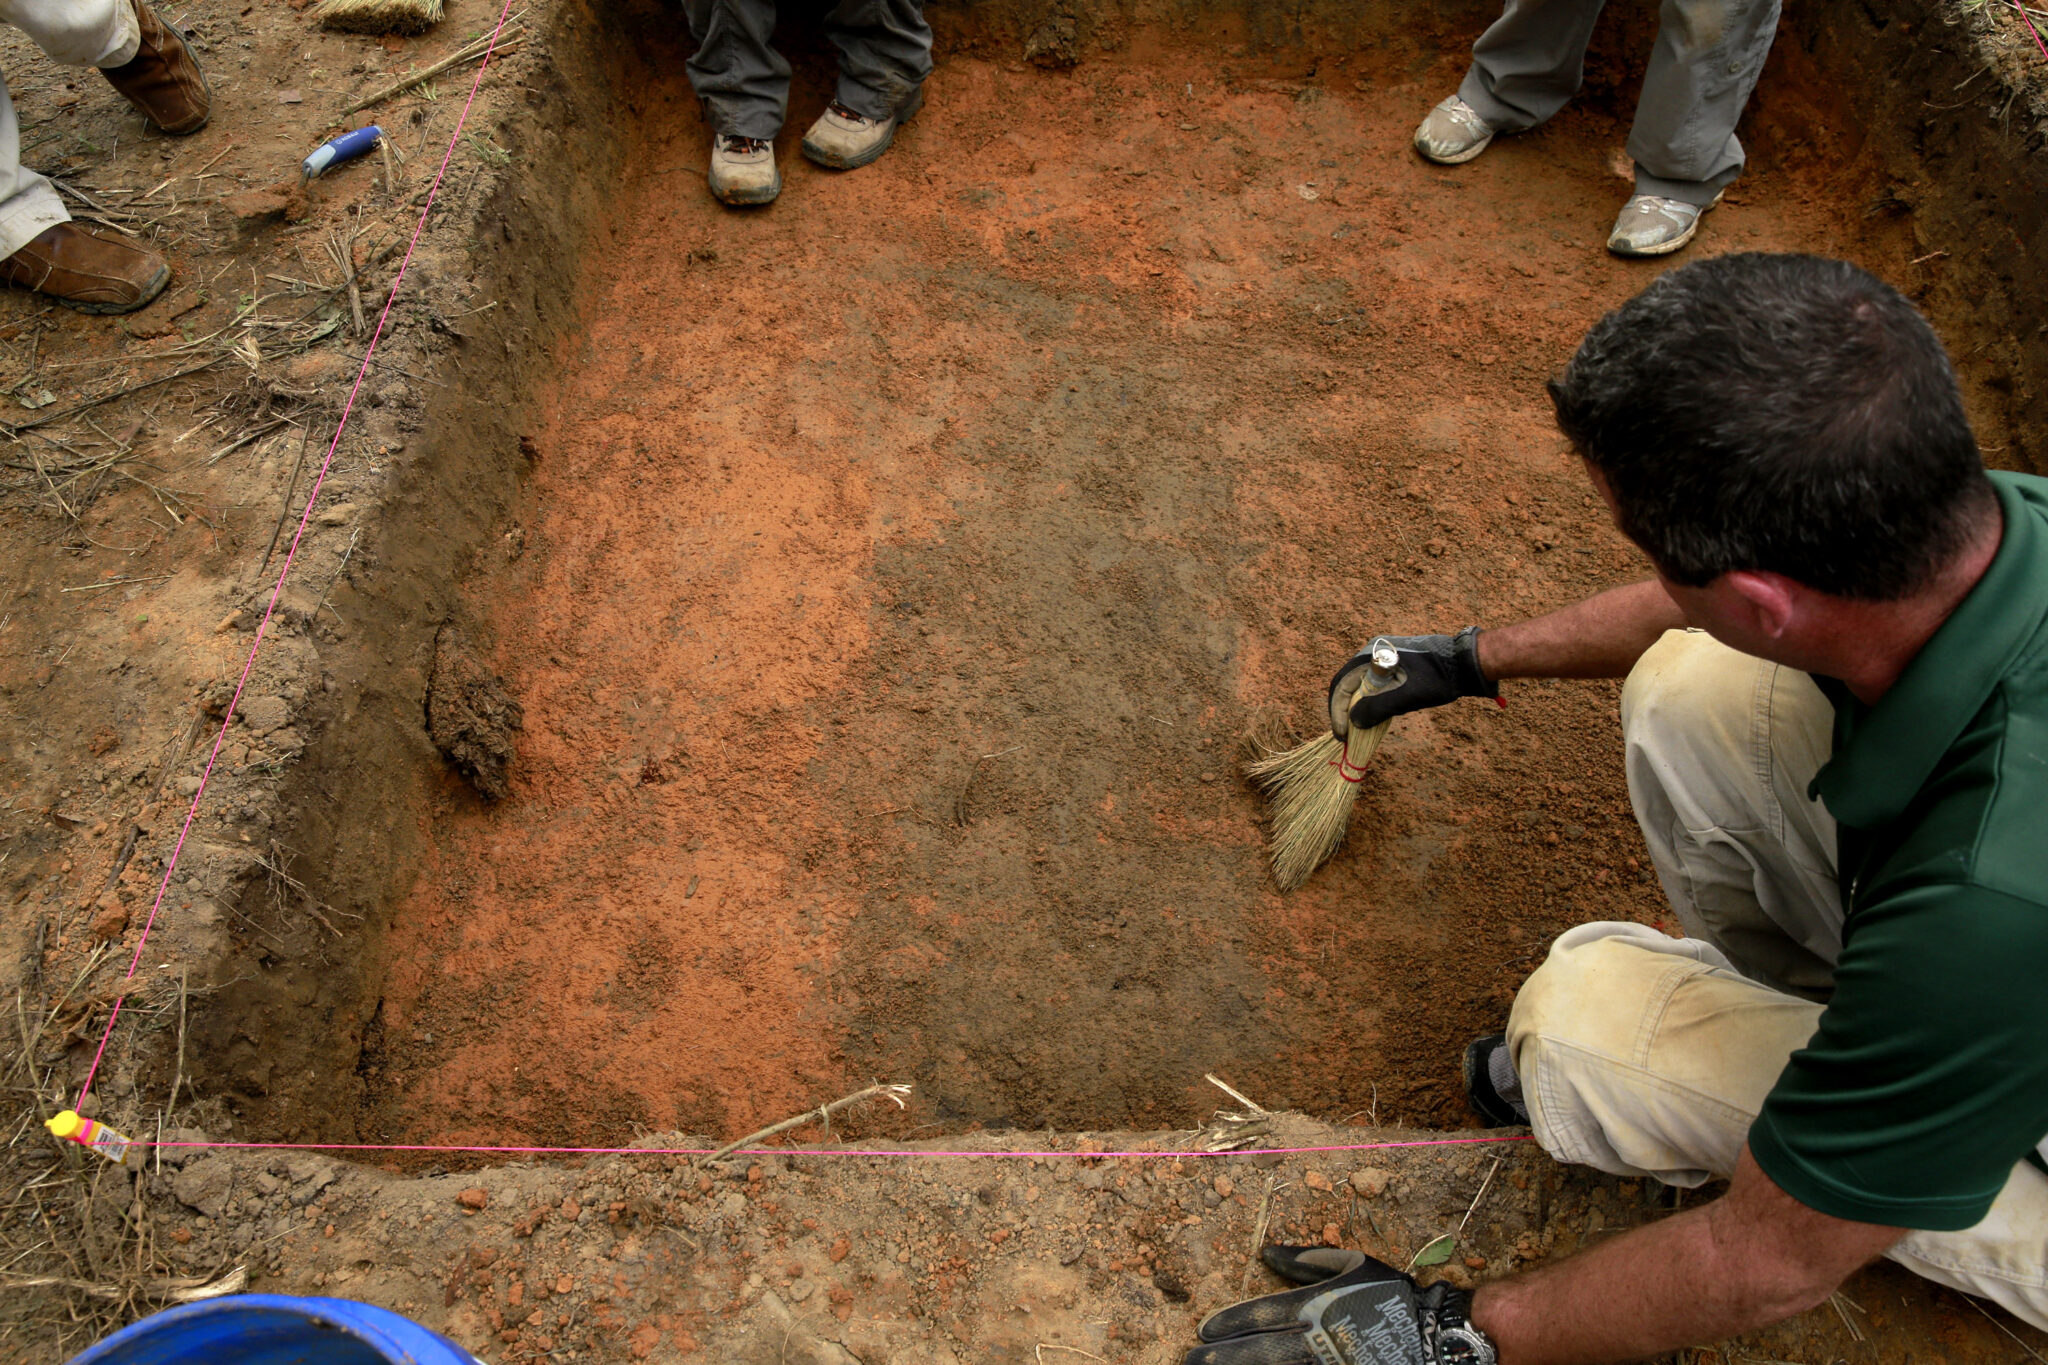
[
  {"x": 379, "y": 16},
  {"x": 1309, "y": 799}
]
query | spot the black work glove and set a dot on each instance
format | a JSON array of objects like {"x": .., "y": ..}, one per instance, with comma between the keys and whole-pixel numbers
[
  {"x": 1355, "y": 1311},
  {"x": 1434, "y": 669}
]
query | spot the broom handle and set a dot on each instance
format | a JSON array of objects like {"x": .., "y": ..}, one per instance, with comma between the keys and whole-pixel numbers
[{"x": 1363, "y": 741}]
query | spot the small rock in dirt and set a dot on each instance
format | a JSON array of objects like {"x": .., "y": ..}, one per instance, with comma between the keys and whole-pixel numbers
[
  {"x": 571, "y": 1210},
  {"x": 1054, "y": 44},
  {"x": 1224, "y": 1187},
  {"x": 204, "y": 1185},
  {"x": 264, "y": 714},
  {"x": 1370, "y": 1183},
  {"x": 470, "y": 716},
  {"x": 188, "y": 785},
  {"x": 111, "y": 922},
  {"x": 315, "y": 1173},
  {"x": 1316, "y": 1180},
  {"x": 286, "y": 197},
  {"x": 473, "y": 1198},
  {"x": 340, "y": 515}
]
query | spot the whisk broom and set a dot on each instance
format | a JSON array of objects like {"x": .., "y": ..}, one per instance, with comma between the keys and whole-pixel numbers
[{"x": 1311, "y": 788}]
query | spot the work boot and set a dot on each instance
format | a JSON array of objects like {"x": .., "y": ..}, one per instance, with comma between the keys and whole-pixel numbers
[
  {"x": 1651, "y": 225},
  {"x": 743, "y": 170},
  {"x": 1491, "y": 1086},
  {"x": 163, "y": 78},
  {"x": 89, "y": 273},
  {"x": 843, "y": 139},
  {"x": 1453, "y": 133}
]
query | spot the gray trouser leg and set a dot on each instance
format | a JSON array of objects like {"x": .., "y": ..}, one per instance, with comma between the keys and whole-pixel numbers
[
  {"x": 1706, "y": 61},
  {"x": 1708, "y": 56},
  {"x": 743, "y": 82},
  {"x": 885, "y": 53},
  {"x": 1530, "y": 62}
]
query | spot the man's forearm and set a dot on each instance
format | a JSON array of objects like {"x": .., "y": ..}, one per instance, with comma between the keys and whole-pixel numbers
[
  {"x": 1750, "y": 1258},
  {"x": 1601, "y": 637}
]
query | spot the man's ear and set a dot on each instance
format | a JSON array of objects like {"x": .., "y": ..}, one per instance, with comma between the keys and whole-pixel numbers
[{"x": 1770, "y": 601}]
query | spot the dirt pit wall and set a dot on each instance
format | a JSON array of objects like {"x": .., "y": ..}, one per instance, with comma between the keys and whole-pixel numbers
[{"x": 888, "y": 578}]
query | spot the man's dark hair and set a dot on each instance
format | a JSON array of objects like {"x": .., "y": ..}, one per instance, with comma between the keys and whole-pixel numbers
[{"x": 1781, "y": 413}]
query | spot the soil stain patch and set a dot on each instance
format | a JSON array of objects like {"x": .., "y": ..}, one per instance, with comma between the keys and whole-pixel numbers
[{"x": 910, "y": 556}]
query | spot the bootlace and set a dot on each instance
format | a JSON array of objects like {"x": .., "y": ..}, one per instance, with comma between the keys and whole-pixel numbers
[{"x": 743, "y": 146}]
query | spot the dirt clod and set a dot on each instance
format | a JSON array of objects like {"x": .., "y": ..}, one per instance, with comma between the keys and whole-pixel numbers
[
  {"x": 473, "y": 1198},
  {"x": 286, "y": 199},
  {"x": 470, "y": 716},
  {"x": 1054, "y": 44}
]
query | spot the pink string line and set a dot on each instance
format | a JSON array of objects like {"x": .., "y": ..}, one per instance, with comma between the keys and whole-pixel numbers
[
  {"x": 2028, "y": 20},
  {"x": 291, "y": 556},
  {"x": 827, "y": 1151}
]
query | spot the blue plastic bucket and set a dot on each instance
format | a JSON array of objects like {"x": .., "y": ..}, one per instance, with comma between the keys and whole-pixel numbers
[{"x": 275, "y": 1329}]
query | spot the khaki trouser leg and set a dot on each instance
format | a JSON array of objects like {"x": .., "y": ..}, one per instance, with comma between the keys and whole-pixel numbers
[
  {"x": 1646, "y": 1055},
  {"x": 76, "y": 33}
]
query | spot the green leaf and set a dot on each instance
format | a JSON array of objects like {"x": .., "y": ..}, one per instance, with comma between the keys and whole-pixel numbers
[{"x": 1435, "y": 1253}]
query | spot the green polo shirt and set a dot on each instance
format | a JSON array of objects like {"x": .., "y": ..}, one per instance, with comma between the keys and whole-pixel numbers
[{"x": 1927, "y": 1079}]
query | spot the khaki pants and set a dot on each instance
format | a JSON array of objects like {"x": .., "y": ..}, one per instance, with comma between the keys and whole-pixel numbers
[
  {"x": 1646, "y": 1055},
  {"x": 76, "y": 33}
]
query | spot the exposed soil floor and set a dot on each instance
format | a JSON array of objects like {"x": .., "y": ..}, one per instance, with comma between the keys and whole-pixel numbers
[{"x": 902, "y": 564}]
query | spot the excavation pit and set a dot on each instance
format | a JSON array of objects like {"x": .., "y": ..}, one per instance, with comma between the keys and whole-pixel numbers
[{"x": 890, "y": 576}]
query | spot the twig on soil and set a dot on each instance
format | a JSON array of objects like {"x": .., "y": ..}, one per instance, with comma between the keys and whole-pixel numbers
[
  {"x": 290, "y": 491},
  {"x": 178, "y": 1079},
  {"x": 1045, "y": 1346},
  {"x": 1259, "y": 1228},
  {"x": 181, "y": 1289},
  {"x": 171, "y": 762},
  {"x": 469, "y": 52},
  {"x": 2003, "y": 1328},
  {"x": 1256, "y": 1109},
  {"x": 118, "y": 582},
  {"x": 1491, "y": 1171},
  {"x": 338, "y": 572},
  {"x": 90, "y": 403},
  {"x": 823, "y": 1113}
]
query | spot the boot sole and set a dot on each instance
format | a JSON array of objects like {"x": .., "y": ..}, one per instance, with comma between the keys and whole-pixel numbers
[
  {"x": 155, "y": 287},
  {"x": 1457, "y": 158},
  {"x": 872, "y": 154},
  {"x": 1665, "y": 248},
  {"x": 743, "y": 198}
]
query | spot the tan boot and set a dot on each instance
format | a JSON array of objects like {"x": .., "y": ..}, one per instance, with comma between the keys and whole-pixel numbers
[
  {"x": 89, "y": 273},
  {"x": 843, "y": 139},
  {"x": 743, "y": 170},
  {"x": 163, "y": 79}
]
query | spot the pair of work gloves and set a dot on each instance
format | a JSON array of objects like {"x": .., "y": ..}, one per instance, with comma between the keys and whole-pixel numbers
[
  {"x": 1353, "y": 1310},
  {"x": 1433, "y": 669}
]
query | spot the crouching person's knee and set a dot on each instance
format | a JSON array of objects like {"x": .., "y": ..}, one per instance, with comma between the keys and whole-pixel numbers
[{"x": 1583, "y": 1037}]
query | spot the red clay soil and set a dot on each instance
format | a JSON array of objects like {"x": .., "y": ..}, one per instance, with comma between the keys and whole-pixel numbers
[{"x": 903, "y": 563}]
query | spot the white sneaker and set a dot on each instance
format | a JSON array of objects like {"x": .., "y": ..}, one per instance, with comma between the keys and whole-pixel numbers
[
  {"x": 743, "y": 170},
  {"x": 843, "y": 139},
  {"x": 1651, "y": 225},
  {"x": 1453, "y": 133}
]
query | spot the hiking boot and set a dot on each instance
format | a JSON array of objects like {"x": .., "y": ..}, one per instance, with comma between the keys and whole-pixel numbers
[
  {"x": 163, "y": 78},
  {"x": 89, "y": 273},
  {"x": 1651, "y": 225},
  {"x": 1453, "y": 133},
  {"x": 743, "y": 170},
  {"x": 843, "y": 139},
  {"x": 1491, "y": 1086}
]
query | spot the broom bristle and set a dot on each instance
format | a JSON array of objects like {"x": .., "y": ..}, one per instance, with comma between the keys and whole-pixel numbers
[
  {"x": 379, "y": 16},
  {"x": 1310, "y": 801}
]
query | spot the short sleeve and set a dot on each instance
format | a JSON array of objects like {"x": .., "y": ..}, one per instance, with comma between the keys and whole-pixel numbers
[{"x": 1927, "y": 1079}]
